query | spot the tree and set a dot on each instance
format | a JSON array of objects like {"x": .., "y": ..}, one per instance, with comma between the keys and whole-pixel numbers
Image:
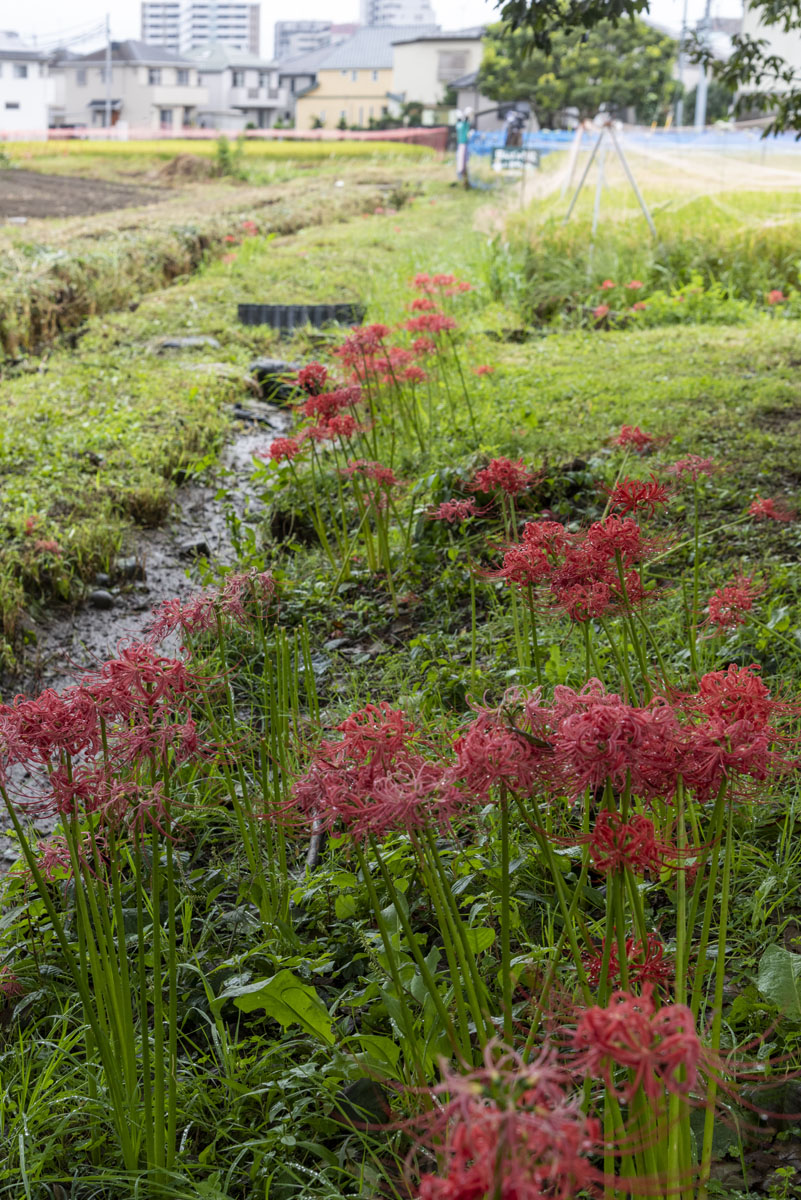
[
  {"x": 761, "y": 80},
  {"x": 628, "y": 65}
]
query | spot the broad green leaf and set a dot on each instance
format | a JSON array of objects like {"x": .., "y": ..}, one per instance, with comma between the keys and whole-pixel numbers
[
  {"x": 380, "y": 1050},
  {"x": 345, "y": 906},
  {"x": 779, "y": 979},
  {"x": 288, "y": 1000},
  {"x": 479, "y": 937}
]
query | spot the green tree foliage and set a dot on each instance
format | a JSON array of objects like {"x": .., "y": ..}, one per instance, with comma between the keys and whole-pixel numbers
[
  {"x": 613, "y": 65},
  {"x": 762, "y": 80}
]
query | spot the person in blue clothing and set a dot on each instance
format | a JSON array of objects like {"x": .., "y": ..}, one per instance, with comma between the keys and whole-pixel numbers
[{"x": 462, "y": 145}]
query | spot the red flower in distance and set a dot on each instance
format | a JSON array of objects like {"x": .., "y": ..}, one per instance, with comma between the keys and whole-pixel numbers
[
  {"x": 282, "y": 448},
  {"x": 443, "y": 281},
  {"x": 639, "y": 306},
  {"x": 430, "y": 323},
  {"x": 614, "y": 535},
  {"x": 600, "y": 311},
  {"x": 457, "y": 510},
  {"x": 734, "y": 695},
  {"x": 631, "y": 436},
  {"x": 776, "y": 296},
  {"x": 328, "y": 404},
  {"x": 363, "y": 341},
  {"x": 47, "y": 546},
  {"x": 423, "y": 346},
  {"x": 616, "y": 844},
  {"x": 694, "y": 466},
  {"x": 606, "y": 286},
  {"x": 634, "y": 285},
  {"x": 646, "y": 965},
  {"x": 659, "y": 1048},
  {"x": 413, "y": 374},
  {"x": 770, "y": 510},
  {"x": 422, "y": 280},
  {"x": 501, "y": 474},
  {"x": 729, "y": 604},
  {"x": 484, "y": 369},
  {"x": 423, "y": 304},
  {"x": 638, "y": 495},
  {"x": 383, "y": 476},
  {"x": 312, "y": 378}
]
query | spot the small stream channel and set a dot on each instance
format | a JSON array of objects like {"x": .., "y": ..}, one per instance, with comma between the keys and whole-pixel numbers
[{"x": 159, "y": 561}]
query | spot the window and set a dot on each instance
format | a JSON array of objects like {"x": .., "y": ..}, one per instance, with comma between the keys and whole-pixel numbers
[
  {"x": 154, "y": 75},
  {"x": 20, "y": 70},
  {"x": 165, "y": 117},
  {"x": 12, "y": 104},
  {"x": 354, "y": 75},
  {"x": 343, "y": 72},
  {"x": 183, "y": 77},
  {"x": 343, "y": 114},
  {"x": 375, "y": 76},
  {"x": 80, "y": 77},
  {"x": 239, "y": 78},
  {"x": 264, "y": 79},
  {"x": 451, "y": 64}
]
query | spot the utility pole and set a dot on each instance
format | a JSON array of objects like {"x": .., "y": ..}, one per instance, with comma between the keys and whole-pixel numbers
[
  {"x": 680, "y": 68},
  {"x": 108, "y": 76},
  {"x": 701, "y": 90}
]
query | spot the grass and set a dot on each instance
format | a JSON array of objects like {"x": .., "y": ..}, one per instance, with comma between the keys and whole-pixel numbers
[{"x": 267, "y": 996}]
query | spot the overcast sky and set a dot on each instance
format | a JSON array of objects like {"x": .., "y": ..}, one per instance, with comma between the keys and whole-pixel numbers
[{"x": 48, "y": 20}]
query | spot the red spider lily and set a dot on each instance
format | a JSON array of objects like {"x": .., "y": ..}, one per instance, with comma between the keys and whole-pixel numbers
[
  {"x": 250, "y": 228},
  {"x": 375, "y": 733},
  {"x": 364, "y": 341},
  {"x": 659, "y": 1048},
  {"x": 639, "y": 306},
  {"x": 613, "y": 536},
  {"x": 423, "y": 346},
  {"x": 443, "y": 281},
  {"x": 728, "y": 604},
  {"x": 457, "y": 510},
  {"x": 510, "y": 1130},
  {"x": 638, "y": 495},
  {"x": 328, "y": 404},
  {"x": 606, "y": 286},
  {"x": 312, "y": 378},
  {"x": 694, "y": 466},
  {"x": 634, "y": 285},
  {"x": 631, "y": 436},
  {"x": 646, "y": 965},
  {"x": 524, "y": 565},
  {"x": 423, "y": 304},
  {"x": 422, "y": 280},
  {"x": 158, "y": 739},
  {"x": 228, "y": 258},
  {"x": 430, "y": 323},
  {"x": 31, "y": 525},
  {"x": 414, "y": 374},
  {"x": 617, "y": 845},
  {"x": 484, "y": 369},
  {"x": 584, "y": 601},
  {"x": 361, "y": 468},
  {"x": 200, "y": 613},
  {"x": 776, "y": 296},
  {"x": 770, "y": 510},
  {"x": 35, "y": 731},
  {"x": 736, "y": 694},
  {"x": 281, "y": 449},
  {"x": 138, "y": 680},
  {"x": 47, "y": 546},
  {"x": 54, "y": 861},
  {"x": 501, "y": 474},
  {"x": 230, "y": 237},
  {"x": 344, "y": 426},
  {"x": 603, "y": 739},
  {"x": 719, "y": 751},
  {"x": 491, "y": 751},
  {"x": 600, "y": 311}
]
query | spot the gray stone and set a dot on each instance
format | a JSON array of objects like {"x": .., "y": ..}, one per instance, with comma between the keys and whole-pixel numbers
[
  {"x": 129, "y": 568},
  {"x": 100, "y": 598},
  {"x": 272, "y": 374},
  {"x": 187, "y": 343},
  {"x": 196, "y": 547},
  {"x": 102, "y": 581}
]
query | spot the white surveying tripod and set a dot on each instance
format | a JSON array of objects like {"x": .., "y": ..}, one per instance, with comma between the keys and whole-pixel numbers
[{"x": 606, "y": 130}]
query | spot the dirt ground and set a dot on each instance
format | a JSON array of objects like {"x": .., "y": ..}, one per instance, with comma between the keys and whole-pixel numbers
[{"x": 31, "y": 194}]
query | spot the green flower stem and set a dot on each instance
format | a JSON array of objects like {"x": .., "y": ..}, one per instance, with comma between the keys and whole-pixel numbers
[
  {"x": 715, "y": 832},
  {"x": 410, "y": 1045},
  {"x": 506, "y": 953},
  {"x": 465, "y": 391},
  {"x": 416, "y": 952},
  {"x": 717, "y": 1017},
  {"x": 535, "y": 649}
]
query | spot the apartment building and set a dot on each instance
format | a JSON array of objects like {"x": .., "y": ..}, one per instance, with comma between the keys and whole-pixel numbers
[
  {"x": 302, "y": 37},
  {"x": 183, "y": 25},
  {"x": 25, "y": 88},
  {"x": 397, "y": 12}
]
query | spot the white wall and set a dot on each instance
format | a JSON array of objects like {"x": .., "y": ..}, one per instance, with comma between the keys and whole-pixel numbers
[
  {"x": 786, "y": 45},
  {"x": 142, "y": 101},
  {"x": 418, "y": 67},
  {"x": 24, "y": 103}
]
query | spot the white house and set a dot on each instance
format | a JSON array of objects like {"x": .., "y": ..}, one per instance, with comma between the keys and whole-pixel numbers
[
  {"x": 150, "y": 88},
  {"x": 242, "y": 88},
  {"x": 425, "y": 64},
  {"x": 25, "y": 89}
]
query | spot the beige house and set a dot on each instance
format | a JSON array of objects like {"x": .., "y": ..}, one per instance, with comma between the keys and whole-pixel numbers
[
  {"x": 355, "y": 80},
  {"x": 149, "y": 88},
  {"x": 427, "y": 63}
]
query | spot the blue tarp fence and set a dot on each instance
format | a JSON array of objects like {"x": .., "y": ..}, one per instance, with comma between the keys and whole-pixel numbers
[{"x": 484, "y": 142}]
